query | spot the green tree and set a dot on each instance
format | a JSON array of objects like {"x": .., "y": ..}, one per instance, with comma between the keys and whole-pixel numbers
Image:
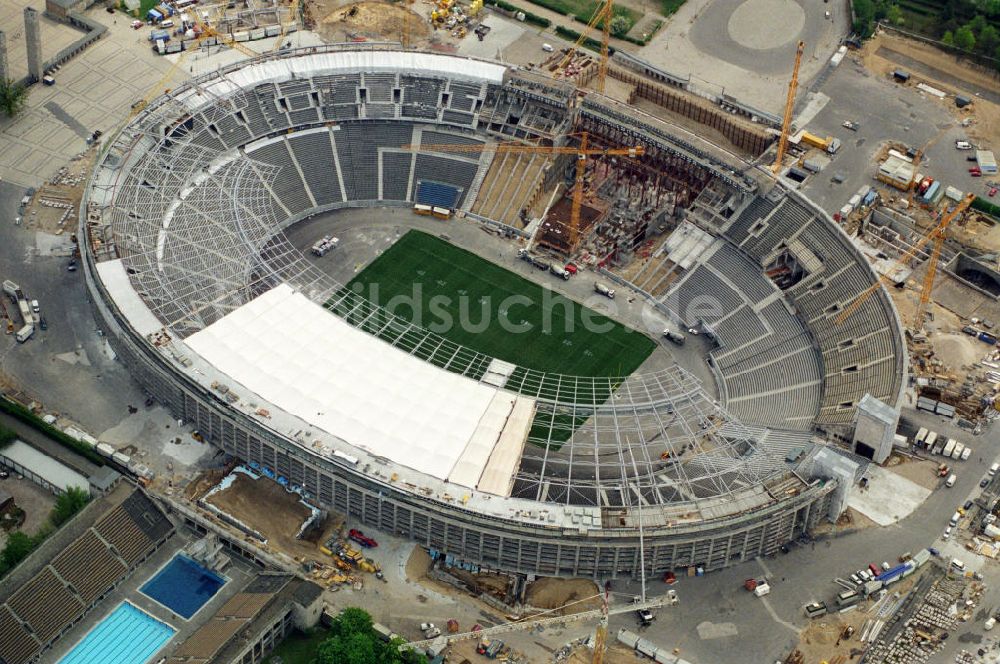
[
  {"x": 13, "y": 97},
  {"x": 68, "y": 504},
  {"x": 965, "y": 39},
  {"x": 17, "y": 549},
  {"x": 894, "y": 15},
  {"x": 620, "y": 25},
  {"x": 988, "y": 40},
  {"x": 948, "y": 39},
  {"x": 353, "y": 641},
  {"x": 864, "y": 18}
]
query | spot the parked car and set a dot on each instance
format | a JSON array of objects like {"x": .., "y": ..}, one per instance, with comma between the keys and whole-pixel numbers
[
  {"x": 992, "y": 192},
  {"x": 967, "y": 505},
  {"x": 983, "y": 482},
  {"x": 947, "y": 533},
  {"x": 42, "y": 324},
  {"x": 853, "y": 126},
  {"x": 976, "y": 172},
  {"x": 71, "y": 266}
]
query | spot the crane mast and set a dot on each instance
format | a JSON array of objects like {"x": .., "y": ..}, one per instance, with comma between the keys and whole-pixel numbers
[{"x": 786, "y": 123}]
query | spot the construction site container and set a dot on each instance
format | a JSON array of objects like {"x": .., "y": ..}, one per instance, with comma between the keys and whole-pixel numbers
[
  {"x": 645, "y": 647},
  {"x": 272, "y": 30},
  {"x": 627, "y": 638},
  {"x": 991, "y": 531},
  {"x": 953, "y": 193},
  {"x": 816, "y": 141},
  {"x": 899, "y": 440},
  {"x": 962, "y": 101},
  {"x": 105, "y": 450},
  {"x": 813, "y": 165},
  {"x": 120, "y": 458},
  {"x": 987, "y": 162},
  {"x": 921, "y": 557},
  {"x": 257, "y": 33}
]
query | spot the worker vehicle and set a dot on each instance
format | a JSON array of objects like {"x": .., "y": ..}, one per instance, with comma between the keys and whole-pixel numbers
[
  {"x": 951, "y": 480},
  {"x": 954, "y": 519},
  {"x": 361, "y": 538},
  {"x": 931, "y": 439},
  {"x": 874, "y": 569},
  {"x": 958, "y": 564},
  {"x": 430, "y": 630},
  {"x": 856, "y": 579},
  {"x": 983, "y": 483},
  {"x": 966, "y": 453},
  {"x": 604, "y": 290},
  {"x": 674, "y": 337},
  {"x": 42, "y": 324},
  {"x": 957, "y": 453},
  {"x": 921, "y": 436},
  {"x": 560, "y": 272},
  {"x": 24, "y": 333},
  {"x": 34, "y": 306},
  {"x": 949, "y": 447},
  {"x": 947, "y": 533},
  {"x": 853, "y": 126},
  {"x": 963, "y": 145},
  {"x": 328, "y": 243},
  {"x": 571, "y": 268},
  {"x": 645, "y": 617},
  {"x": 994, "y": 468},
  {"x": 976, "y": 172}
]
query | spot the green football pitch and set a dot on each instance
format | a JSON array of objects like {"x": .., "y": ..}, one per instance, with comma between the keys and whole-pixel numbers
[{"x": 440, "y": 283}]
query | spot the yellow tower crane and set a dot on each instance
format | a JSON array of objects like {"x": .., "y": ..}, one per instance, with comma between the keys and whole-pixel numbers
[
  {"x": 582, "y": 153},
  {"x": 786, "y": 122},
  {"x": 937, "y": 236},
  {"x": 605, "y": 12}
]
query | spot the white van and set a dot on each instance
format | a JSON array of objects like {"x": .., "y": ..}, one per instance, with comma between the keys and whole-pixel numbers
[
  {"x": 166, "y": 25},
  {"x": 954, "y": 519},
  {"x": 951, "y": 480},
  {"x": 958, "y": 564},
  {"x": 963, "y": 145},
  {"x": 547, "y": 48},
  {"x": 994, "y": 468}
]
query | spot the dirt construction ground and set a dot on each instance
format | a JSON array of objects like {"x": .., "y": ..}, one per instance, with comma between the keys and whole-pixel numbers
[
  {"x": 246, "y": 500},
  {"x": 371, "y": 20},
  {"x": 550, "y": 593}
]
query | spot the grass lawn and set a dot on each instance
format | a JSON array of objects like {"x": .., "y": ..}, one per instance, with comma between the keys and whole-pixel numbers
[
  {"x": 459, "y": 281},
  {"x": 670, "y": 6},
  {"x": 583, "y": 10},
  {"x": 299, "y": 647}
]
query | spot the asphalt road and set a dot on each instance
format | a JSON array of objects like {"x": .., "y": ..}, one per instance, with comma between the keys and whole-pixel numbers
[{"x": 69, "y": 367}]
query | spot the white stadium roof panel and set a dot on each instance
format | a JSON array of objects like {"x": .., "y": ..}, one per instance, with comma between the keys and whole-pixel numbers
[
  {"x": 309, "y": 362},
  {"x": 123, "y": 294}
]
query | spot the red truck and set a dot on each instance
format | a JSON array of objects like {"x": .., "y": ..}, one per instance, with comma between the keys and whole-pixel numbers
[{"x": 362, "y": 539}]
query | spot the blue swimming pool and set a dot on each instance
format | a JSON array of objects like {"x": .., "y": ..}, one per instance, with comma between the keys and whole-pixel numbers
[
  {"x": 183, "y": 586},
  {"x": 126, "y": 636}
]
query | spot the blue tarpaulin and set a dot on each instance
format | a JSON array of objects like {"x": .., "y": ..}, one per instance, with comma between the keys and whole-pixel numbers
[{"x": 437, "y": 194}]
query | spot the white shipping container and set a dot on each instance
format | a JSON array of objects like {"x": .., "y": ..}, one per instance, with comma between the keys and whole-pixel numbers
[
  {"x": 105, "y": 450},
  {"x": 123, "y": 459},
  {"x": 900, "y": 440}
]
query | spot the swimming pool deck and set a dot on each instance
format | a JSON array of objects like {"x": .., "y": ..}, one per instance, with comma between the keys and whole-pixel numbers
[{"x": 129, "y": 591}]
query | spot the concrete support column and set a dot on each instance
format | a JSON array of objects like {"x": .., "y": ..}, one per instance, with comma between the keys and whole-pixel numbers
[
  {"x": 33, "y": 40},
  {"x": 4, "y": 67}
]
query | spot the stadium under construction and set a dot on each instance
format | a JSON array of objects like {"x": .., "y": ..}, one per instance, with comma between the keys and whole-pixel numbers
[{"x": 199, "y": 291}]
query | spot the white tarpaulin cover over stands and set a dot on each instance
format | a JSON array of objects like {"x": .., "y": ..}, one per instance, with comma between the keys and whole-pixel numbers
[{"x": 312, "y": 364}]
